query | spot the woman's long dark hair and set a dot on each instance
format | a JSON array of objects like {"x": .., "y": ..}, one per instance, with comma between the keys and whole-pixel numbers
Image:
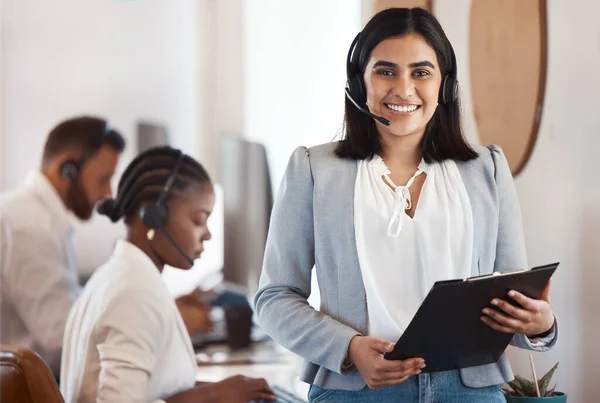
[{"x": 443, "y": 137}]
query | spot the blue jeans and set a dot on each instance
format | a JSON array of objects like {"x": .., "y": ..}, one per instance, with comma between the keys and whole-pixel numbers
[{"x": 436, "y": 387}]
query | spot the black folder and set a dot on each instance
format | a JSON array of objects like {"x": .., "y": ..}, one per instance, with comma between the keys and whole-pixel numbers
[{"x": 447, "y": 330}]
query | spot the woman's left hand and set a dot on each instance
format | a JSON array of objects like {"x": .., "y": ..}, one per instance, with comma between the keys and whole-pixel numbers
[
  {"x": 533, "y": 317},
  {"x": 194, "y": 312}
]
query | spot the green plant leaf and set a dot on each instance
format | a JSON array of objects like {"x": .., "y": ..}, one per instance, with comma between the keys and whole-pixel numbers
[
  {"x": 550, "y": 393},
  {"x": 527, "y": 386},
  {"x": 545, "y": 381},
  {"x": 509, "y": 392},
  {"x": 516, "y": 386}
]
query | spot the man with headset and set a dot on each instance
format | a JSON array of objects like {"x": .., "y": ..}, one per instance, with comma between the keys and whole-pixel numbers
[{"x": 38, "y": 274}]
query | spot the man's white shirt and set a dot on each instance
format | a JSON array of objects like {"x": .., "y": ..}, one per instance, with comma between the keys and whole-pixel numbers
[{"x": 38, "y": 273}]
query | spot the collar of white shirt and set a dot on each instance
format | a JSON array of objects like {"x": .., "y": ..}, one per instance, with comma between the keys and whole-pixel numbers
[
  {"x": 133, "y": 253},
  {"x": 41, "y": 186}
]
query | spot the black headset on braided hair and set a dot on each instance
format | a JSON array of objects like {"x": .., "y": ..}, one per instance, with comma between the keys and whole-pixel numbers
[
  {"x": 131, "y": 189},
  {"x": 155, "y": 215}
]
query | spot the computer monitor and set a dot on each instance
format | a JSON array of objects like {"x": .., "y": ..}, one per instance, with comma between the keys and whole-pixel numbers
[
  {"x": 247, "y": 203},
  {"x": 150, "y": 135}
]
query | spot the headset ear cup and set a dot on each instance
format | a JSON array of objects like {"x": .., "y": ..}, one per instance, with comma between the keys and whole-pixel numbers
[
  {"x": 449, "y": 89},
  {"x": 356, "y": 87},
  {"x": 154, "y": 216},
  {"x": 69, "y": 169},
  {"x": 454, "y": 93}
]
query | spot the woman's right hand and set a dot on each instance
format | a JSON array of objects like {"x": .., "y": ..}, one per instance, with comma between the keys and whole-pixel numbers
[
  {"x": 366, "y": 353},
  {"x": 242, "y": 389},
  {"x": 236, "y": 389}
]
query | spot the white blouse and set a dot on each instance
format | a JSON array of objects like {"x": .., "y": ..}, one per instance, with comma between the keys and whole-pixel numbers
[
  {"x": 125, "y": 340},
  {"x": 402, "y": 257}
]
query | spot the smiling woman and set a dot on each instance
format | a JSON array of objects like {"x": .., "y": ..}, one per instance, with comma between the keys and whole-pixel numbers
[
  {"x": 400, "y": 203},
  {"x": 402, "y": 84},
  {"x": 413, "y": 65}
]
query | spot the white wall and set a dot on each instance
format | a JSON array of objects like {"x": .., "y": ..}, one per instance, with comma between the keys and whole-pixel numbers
[
  {"x": 229, "y": 76},
  {"x": 120, "y": 60},
  {"x": 560, "y": 192},
  {"x": 1, "y": 94},
  {"x": 295, "y": 73},
  {"x": 559, "y": 188}
]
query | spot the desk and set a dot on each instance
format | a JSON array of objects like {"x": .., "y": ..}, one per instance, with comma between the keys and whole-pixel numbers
[{"x": 267, "y": 359}]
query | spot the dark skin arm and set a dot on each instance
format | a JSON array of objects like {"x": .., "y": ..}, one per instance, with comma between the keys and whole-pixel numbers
[
  {"x": 237, "y": 389},
  {"x": 194, "y": 312}
]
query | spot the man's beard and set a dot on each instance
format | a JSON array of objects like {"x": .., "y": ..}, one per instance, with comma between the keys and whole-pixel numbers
[{"x": 78, "y": 201}]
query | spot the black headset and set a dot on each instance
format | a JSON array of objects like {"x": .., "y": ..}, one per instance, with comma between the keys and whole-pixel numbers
[
  {"x": 155, "y": 215},
  {"x": 355, "y": 85},
  {"x": 70, "y": 169}
]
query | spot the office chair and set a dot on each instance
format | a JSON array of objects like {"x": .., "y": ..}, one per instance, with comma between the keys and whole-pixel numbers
[{"x": 25, "y": 377}]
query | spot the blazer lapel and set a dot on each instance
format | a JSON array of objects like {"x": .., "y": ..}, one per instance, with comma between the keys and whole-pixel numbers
[{"x": 470, "y": 173}]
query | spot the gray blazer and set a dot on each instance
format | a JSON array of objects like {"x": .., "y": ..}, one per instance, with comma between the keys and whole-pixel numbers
[{"x": 312, "y": 225}]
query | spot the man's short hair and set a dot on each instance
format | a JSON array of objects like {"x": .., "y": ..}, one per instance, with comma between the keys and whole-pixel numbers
[{"x": 85, "y": 135}]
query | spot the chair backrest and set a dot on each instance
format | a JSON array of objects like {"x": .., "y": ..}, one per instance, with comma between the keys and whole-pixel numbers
[{"x": 25, "y": 377}]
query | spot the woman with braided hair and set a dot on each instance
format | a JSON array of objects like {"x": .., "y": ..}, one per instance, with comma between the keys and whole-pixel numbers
[{"x": 125, "y": 340}]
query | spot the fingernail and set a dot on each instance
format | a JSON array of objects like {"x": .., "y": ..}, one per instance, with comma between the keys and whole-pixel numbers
[
  {"x": 390, "y": 347},
  {"x": 422, "y": 365},
  {"x": 494, "y": 302},
  {"x": 417, "y": 372},
  {"x": 482, "y": 318},
  {"x": 486, "y": 311},
  {"x": 512, "y": 294}
]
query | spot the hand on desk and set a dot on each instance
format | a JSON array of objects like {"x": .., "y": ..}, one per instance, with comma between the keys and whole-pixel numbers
[
  {"x": 366, "y": 353},
  {"x": 236, "y": 389},
  {"x": 241, "y": 389},
  {"x": 194, "y": 311},
  {"x": 534, "y": 317}
]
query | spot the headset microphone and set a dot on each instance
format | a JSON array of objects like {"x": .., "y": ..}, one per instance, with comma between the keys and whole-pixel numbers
[
  {"x": 356, "y": 90},
  {"x": 366, "y": 111},
  {"x": 170, "y": 238},
  {"x": 154, "y": 215}
]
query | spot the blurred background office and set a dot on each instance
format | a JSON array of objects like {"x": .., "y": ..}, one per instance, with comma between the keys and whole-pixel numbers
[{"x": 200, "y": 74}]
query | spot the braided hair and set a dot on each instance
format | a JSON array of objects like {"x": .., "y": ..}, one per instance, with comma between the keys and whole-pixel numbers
[{"x": 144, "y": 179}]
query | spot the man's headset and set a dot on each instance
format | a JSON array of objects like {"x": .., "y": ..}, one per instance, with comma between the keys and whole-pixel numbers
[
  {"x": 70, "y": 169},
  {"x": 154, "y": 215},
  {"x": 356, "y": 91}
]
